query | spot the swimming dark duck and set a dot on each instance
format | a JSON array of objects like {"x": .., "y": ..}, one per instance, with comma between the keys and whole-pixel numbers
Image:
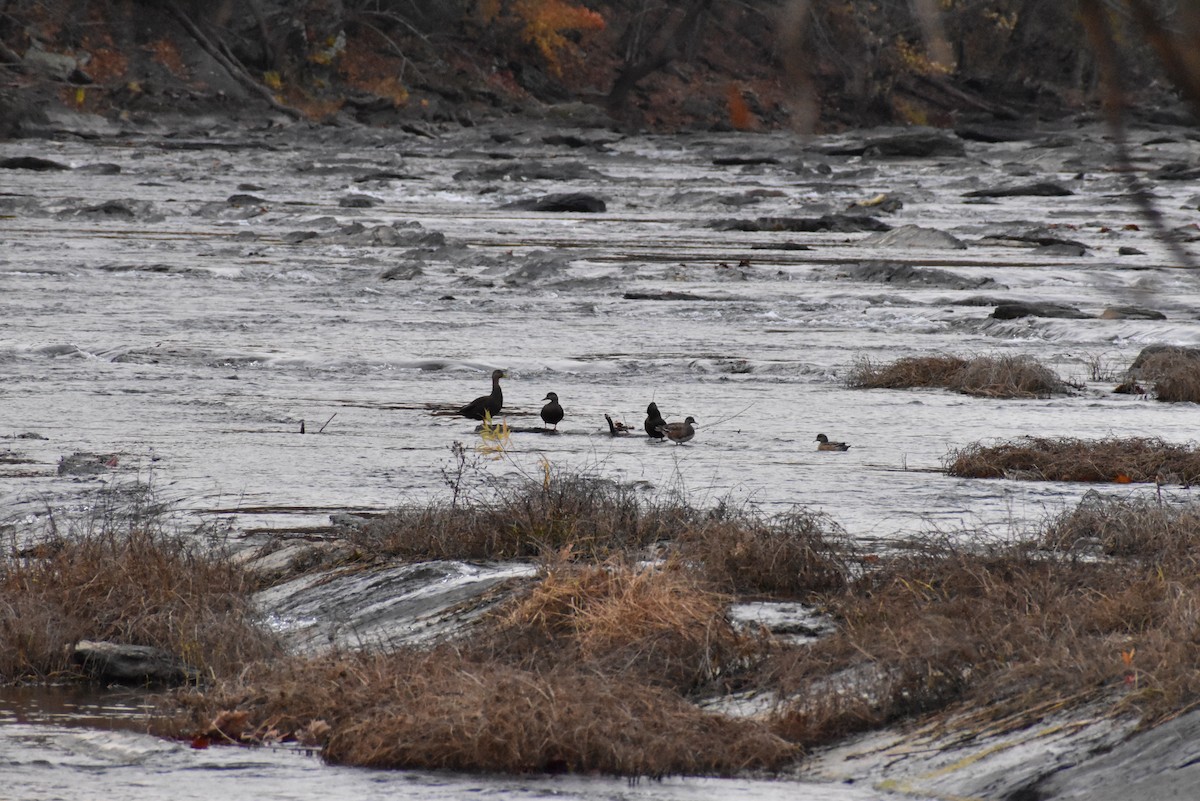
[
  {"x": 823, "y": 444},
  {"x": 654, "y": 421},
  {"x": 552, "y": 413},
  {"x": 679, "y": 433},
  {"x": 489, "y": 404}
]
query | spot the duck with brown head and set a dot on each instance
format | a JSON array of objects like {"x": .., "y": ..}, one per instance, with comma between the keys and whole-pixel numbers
[
  {"x": 490, "y": 404},
  {"x": 680, "y": 433},
  {"x": 823, "y": 444}
]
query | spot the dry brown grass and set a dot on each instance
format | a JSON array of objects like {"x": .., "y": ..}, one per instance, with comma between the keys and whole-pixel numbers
[
  {"x": 1138, "y": 528},
  {"x": 1128, "y": 460},
  {"x": 135, "y": 586},
  {"x": 589, "y": 516},
  {"x": 907, "y": 373},
  {"x": 660, "y": 625},
  {"x": 1000, "y": 632},
  {"x": 440, "y": 710},
  {"x": 1174, "y": 371},
  {"x": 794, "y": 555},
  {"x": 982, "y": 376}
]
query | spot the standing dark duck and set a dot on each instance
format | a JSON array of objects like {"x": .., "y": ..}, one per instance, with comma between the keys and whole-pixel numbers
[
  {"x": 489, "y": 404},
  {"x": 654, "y": 421},
  {"x": 552, "y": 413},
  {"x": 680, "y": 433},
  {"x": 823, "y": 444}
]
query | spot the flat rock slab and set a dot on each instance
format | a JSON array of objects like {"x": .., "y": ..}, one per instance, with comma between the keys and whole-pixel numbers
[
  {"x": 386, "y": 606},
  {"x": 130, "y": 664},
  {"x": 914, "y": 236},
  {"x": 1013, "y": 311}
]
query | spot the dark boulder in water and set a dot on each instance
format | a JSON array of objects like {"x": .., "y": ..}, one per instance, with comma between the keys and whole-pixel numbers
[
  {"x": 575, "y": 202},
  {"x": 1015, "y": 310}
]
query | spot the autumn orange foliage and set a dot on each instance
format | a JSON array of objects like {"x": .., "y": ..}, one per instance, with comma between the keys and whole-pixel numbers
[
  {"x": 739, "y": 113},
  {"x": 543, "y": 23}
]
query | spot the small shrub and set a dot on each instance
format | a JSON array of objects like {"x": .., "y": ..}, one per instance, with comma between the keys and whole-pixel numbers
[
  {"x": 1065, "y": 459},
  {"x": 907, "y": 373},
  {"x": 1143, "y": 528},
  {"x": 791, "y": 556},
  {"x": 659, "y": 624},
  {"x": 1001, "y": 631},
  {"x": 589, "y": 516},
  {"x": 136, "y": 586},
  {"x": 1175, "y": 372},
  {"x": 443, "y": 711},
  {"x": 982, "y": 376},
  {"x": 1007, "y": 377}
]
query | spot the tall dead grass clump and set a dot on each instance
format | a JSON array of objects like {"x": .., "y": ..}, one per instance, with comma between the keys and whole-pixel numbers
[
  {"x": 1122, "y": 460},
  {"x": 982, "y": 376},
  {"x": 136, "y": 586},
  {"x": 591, "y": 516},
  {"x": 659, "y": 624},
  {"x": 1007, "y": 377},
  {"x": 1143, "y": 528},
  {"x": 441, "y": 710},
  {"x": 907, "y": 373},
  {"x": 1003, "y": 630},
  {"x": 1174, "y": 371},
  {"x": 795, "y": 555}
]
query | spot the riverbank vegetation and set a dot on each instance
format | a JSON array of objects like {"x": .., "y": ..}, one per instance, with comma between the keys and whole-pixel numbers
[
  {"x": 621, "y": 656},
  {"x": 1123, "y": 460},
  {"x": 124, "y": 576},
  {"x": 981, "y": 376},
  {"x": 669, "y": 65}
]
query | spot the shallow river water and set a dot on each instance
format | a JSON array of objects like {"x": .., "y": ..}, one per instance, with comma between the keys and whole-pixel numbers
[{"x": 179, "y": 335}]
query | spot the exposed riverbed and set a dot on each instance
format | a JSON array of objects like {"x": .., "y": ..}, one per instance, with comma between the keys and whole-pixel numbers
[{"x": 176, "y": 314}]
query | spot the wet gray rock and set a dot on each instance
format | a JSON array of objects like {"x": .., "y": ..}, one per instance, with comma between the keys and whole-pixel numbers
[
  {"x": 914, "y": 144},
  {"x": 1131, "y": 313},
  {"x": 1155, "y": 350},
  {"x": 838, "y": 223},
  {"x": 574, "y": 202},
  {"x": 914, "y": 236},
  {"x": 995, "y": 132},
  {"x": 531, "y": 171},
  {"x": 1032, "y": 238},
  {"x": 672, "y": 294},
  {"x": 52, "y": 65},
  {"x": 111, "y": 662},
  {"x": 743, "y": 161},
  {"x": 86, "y": 464},
  {"x": 1175, "y": 171},
  {"x": 359, "y": 201},
  {"x": 390, "y": 236},
  {"x": 538, "y": 267},
  {"x": 1159, "y": 763},
  {"x": 1126, "y": 250},
  {"x": 99, "y": 168},
  {"x": 31, "y": 163},
  {"x": 1036, "y": 189},
  {"x": 115, "y": 210},
  {"x": 1015, "y": 310},
  {"x": 403, "y": 272},
  {"x": 906, "y": 275},
  {"x": 20, "y": 114}
]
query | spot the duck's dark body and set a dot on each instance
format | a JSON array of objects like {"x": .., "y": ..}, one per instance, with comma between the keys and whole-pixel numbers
[
  {"x": 654, "y": 421},
  {"x": 552, "y": 413},
  {"x": 486, "y": 404},
  {"x": 823, "y": 444}
]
